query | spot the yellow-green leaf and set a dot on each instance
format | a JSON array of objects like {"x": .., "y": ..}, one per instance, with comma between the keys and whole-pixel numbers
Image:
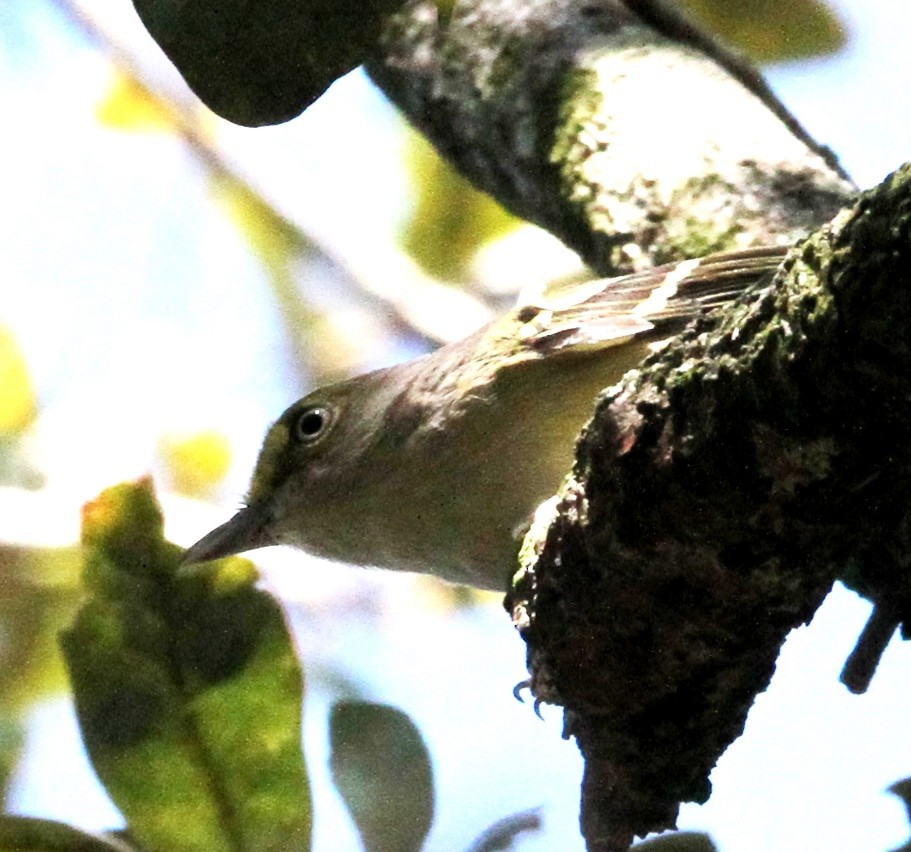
[
  {"x": 196, "y": 464},
  {"x": 772, "y": 30},
  {"x": 187, "y": 689},
  {"x": 451, "y": 219},
  {"x": 12, "y": 738},
  {"x": 274, "y": 240},
  {"x": 315, "y": 338},
  {"x": 129, "y": 105},
  {"x": 18, "y": 405},
  {"x": 39, "y": 598}
]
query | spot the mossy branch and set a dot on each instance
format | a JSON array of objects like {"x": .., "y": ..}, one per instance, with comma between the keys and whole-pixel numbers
[
  {"x": 614, "y": 124},
  {"x": 717, "y": 496}
]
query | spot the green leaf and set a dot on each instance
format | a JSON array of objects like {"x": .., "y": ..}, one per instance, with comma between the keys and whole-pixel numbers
[
  {"x": 451, "y": 219},
  {"x": 131, "y": 106},
  {"x": 44, "y": 835},
  {"x": 18, "y": 403},
  {"x": 772, "y": 30},
  {"x": 381, "y": 767},
  {"x": 263, "y": 63},
  {"x": 12, "y": 737},
  {"x": 196, "y": 462},
  {"x": 40, "y": 595},
  {"x": 187, "y": 689}
]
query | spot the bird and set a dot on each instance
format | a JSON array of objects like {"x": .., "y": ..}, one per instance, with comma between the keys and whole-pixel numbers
[{"x": 436, "y": 465}]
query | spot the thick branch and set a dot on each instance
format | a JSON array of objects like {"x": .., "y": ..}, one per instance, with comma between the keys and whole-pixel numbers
[
  {"x": 609, "y": 124},
  {"x": 717, "y": 496}
]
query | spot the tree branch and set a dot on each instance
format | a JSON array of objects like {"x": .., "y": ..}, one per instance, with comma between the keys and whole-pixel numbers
[
  {"x": 615, "y": 125},
  {"x": 717, "y": 496}
]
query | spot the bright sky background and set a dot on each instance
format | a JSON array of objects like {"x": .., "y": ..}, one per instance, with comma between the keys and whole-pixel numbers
[{"x": 141, "y": 312}]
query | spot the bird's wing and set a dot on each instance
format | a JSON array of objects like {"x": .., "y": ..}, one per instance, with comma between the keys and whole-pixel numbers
[{"x": 656, "y": 302}]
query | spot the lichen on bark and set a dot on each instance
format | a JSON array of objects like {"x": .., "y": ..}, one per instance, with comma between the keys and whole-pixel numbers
[
  {"x": 718, "y": 494},
  {"x": 609, "y": 123}
]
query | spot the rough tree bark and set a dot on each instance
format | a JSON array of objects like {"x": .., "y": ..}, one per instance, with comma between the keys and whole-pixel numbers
[
  {"x": 722, "y": 489},
  {"x": 718, "y": 494},
  {"x": 614, "y": 125}
]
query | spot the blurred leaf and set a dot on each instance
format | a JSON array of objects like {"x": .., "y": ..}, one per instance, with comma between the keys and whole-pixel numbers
[
  {"x": 187, "y": 690},
  {"x": 263, "y": 63},
  {"x": 275, "y": 240},
  {"x": 444, "y": 8},
  {"x": 12, "y": 736},
  {"x": 772, "y": 30},
  {"x": 504, "y": 832},
  {"x": 280, "y": 247},
  {"x": 44, "y": 835},
  {"x": 315, "y": 339},
  {"x": 18, "y": 410},
  {"x": 451, "y": 219},
  {"x": 902, "y": 789},
  {"x": 129, "y": 105},
  {"x": 677, "y": 841},
  {"x": 16, "y": 467},
  {"x": 124, "y": 835},
  {"x": 381, "y": 767},
  {"x": 18, "y": 405},
  {"x": 38, "y": 595},
  {"x": 196, "y": 464}
]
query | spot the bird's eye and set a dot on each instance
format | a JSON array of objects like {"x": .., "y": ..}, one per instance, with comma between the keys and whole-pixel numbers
[{"x": 311, "y": 424}]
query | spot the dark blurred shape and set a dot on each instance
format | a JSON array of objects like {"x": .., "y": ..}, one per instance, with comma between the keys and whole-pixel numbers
[
  {"x": 263, "y": 63},
  {"x": 381, "y": 767},
  {"x": 502, "y": 834}
]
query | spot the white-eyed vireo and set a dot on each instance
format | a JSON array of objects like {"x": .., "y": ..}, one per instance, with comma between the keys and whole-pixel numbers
[{"x": 436, "y": 464}]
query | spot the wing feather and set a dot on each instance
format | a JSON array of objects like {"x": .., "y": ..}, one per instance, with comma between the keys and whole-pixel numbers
[{"x": 656, "y": 301}]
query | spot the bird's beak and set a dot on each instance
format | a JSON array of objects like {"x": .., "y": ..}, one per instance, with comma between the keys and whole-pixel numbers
[{"x": 247, "y": 530}]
